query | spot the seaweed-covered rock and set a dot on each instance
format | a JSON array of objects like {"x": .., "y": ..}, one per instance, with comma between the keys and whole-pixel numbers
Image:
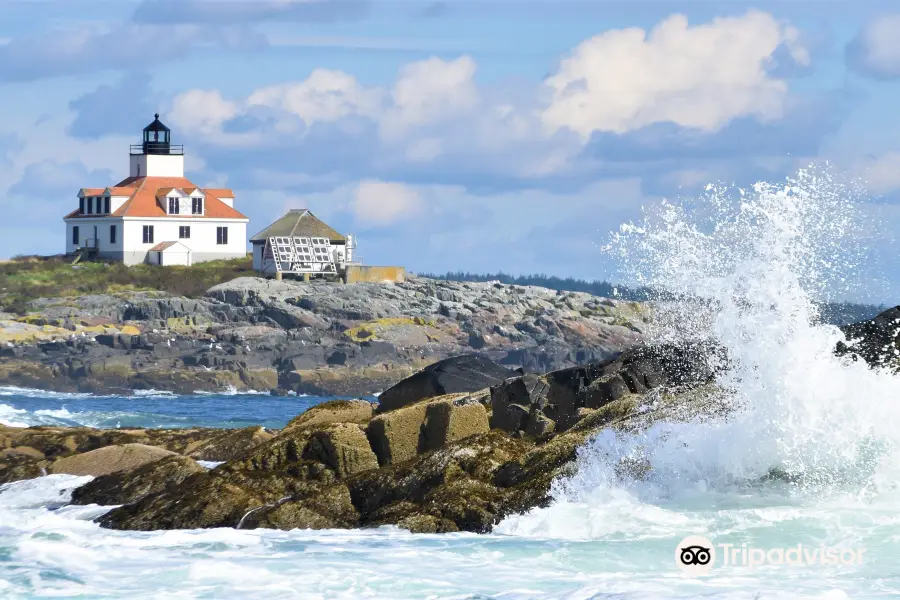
[
  {"x": 15, "y": 465},
  {"x": 130, "y": 486},
  {"x": 334, "y": 411},
  {"x": 342, "y": 447},
  {"x": 451, "y": 420},
  {"x": 397, "y": 436}
]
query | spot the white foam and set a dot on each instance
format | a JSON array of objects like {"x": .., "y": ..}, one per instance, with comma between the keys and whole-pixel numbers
[{"x": 828, "y": 423}]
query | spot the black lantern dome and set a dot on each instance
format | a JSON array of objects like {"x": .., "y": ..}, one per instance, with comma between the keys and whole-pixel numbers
[
  {"x": 157, "y": 140},
  {"x": 156, "y": 137}
]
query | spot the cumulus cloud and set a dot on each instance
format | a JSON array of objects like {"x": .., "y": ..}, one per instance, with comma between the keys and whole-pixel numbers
[
  {"x": 875, "y": 51},
  {"x": 202, "y": 111},
  {"x": 381, "y": 203},
  {"x": 430, "y": 91},
  {"x": 698, "y": 77},
  {"x": 685, "y": 93},
  {"x": 325, "y": 95}
]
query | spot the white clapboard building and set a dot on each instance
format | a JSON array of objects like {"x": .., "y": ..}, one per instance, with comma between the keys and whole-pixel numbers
[{"x": 155, "y": 215}]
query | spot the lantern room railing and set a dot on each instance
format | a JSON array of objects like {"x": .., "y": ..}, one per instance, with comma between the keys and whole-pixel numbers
[{"x": 156, "y": 148}]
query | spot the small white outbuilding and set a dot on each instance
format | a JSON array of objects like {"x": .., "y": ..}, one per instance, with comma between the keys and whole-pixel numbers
[{"x": 170, "y": 254}]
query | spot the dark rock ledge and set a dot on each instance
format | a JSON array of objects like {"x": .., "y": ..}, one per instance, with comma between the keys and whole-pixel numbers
[
  {"x": 459, "y": 447},
  {"x": 455, "y": 455}
]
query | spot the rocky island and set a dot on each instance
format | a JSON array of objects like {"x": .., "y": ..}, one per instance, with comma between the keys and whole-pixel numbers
[{"x": 289, "y": 336}]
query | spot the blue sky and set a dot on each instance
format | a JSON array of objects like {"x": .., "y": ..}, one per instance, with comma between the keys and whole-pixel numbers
[{"x": 477, "y": 135}]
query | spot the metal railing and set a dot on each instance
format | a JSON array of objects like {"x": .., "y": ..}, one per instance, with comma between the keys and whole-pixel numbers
[{"x": 156, "y": 148}]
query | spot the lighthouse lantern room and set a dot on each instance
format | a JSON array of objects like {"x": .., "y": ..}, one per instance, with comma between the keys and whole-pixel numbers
[{"x": 156, "y": 156}]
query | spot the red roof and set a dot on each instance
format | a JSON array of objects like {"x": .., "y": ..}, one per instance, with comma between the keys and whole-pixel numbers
[
  {"x": 221, "y": 192},
  {"x": 143, "y": 191}
]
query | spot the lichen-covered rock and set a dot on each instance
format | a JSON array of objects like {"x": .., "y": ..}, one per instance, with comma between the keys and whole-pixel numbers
[
  {"x": 342, "y": 447},
  {"x": 229, "y": 444},
  {"x": 111, "y": 459},
  {"x": 451, "y": 420},
  {"x": 334, "y": 411},
  {"x": 397, "y": 436},
  {"x": 328, "y": 508},
  {"x": 130, "y": 486}
]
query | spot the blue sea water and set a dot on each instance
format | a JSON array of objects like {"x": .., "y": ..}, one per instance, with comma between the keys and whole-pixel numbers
[{"x": 151, "y": 409}]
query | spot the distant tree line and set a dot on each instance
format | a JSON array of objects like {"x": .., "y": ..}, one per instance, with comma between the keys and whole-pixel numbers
[{"x": 835, "y": 313}]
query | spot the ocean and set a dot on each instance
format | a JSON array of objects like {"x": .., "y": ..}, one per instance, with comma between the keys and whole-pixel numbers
[{"x": 794, "y": 493}]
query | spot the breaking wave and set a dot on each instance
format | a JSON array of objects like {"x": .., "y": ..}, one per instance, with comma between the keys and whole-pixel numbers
[{"x": 803, "y": 425}]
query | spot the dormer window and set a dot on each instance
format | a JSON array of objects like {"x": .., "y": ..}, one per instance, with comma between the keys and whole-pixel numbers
[
  {"x": 196, "y": 206},
  {"x": 106, "y": 205},
  {"x": 81, "y": 206},
  {"x": 174, "y": 206}
]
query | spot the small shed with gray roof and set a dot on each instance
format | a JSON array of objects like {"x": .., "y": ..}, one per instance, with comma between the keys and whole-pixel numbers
[{"x": 299, "y": 225}]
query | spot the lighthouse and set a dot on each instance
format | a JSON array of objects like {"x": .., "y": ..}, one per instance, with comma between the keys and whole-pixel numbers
[{"x": 156, "y": 215}]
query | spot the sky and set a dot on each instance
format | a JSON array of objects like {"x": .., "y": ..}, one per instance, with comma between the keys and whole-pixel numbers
[{"x": 474, "y": 135}]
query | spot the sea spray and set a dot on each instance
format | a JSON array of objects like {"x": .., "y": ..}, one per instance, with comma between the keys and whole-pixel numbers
[{"x": 743, "y": 270}]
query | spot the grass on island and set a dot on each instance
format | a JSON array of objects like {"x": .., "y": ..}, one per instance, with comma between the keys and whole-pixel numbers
[{"x": 24, "y": 279}]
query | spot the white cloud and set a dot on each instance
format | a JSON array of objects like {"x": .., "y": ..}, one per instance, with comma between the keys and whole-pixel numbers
[
  {"x": 435, "y": 112},
  {"x": 700, "y": 77},
  {"x": 381, "y": 203},
  {"x": 202, "y": 111},
  {"x": 325, "y": 95},
  {"x": 876, "y": 49},
  {"x": 430, "y": 91}
]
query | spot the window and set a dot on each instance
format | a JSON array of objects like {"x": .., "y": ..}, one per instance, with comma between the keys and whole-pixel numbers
[
  {"x": 75, "y": 236},
  {"x": 174, "y": 206},
  {"x": 148, "y": 234},
  {"x": 184, "y": 233},
  {"x": 106, "y": 205},
  {"x": 138, "y": 170},
  {"x": 221, "y": 236},
  {"x": 90, "y": 204},
  {"x": 112, "y": 234},
  {"x": 81, "y": 207},
  {"x": 196, "y": 206}
]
